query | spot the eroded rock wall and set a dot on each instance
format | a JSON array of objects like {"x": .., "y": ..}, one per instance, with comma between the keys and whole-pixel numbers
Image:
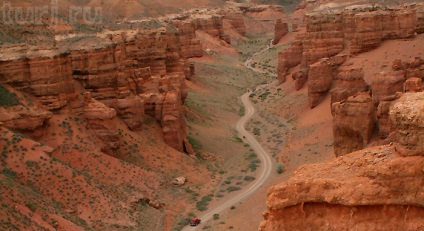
[
  {"x": 353, "y": 30},
  {"x": 375, "y": 187},
  {"x": 133, "y": 73}
]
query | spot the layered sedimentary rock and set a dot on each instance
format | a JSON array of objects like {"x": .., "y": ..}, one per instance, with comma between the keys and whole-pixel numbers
[
  {"x": 324, "y": 37},
  {"x": 236, "y": 20},
  {"x": 413, "y": 85},
  {"x": 385, "y": 85},
  {"x": 280, "y": 30},
  {"x": 364, "y": 190},
  {"x": 45, "y": 74},
  {"x": 371, "y": 28},
  {"x": 319, "y": 81},
  {"x": 408, "y": 116},
  {"x": 24, "y": 118},
  {"x": 367, "y": 189},
  {"x": 356, "y": 29},
  {"x": 300, "y": 78},
  {"x": 348, "y": 82},
  {"x": 419, "y": 26},
  {"x": 190, "y": 44},
  {"x": 353, "y": 123},
  {"x": 385, "y": 125},
  {"x": 290, "y": 57},
  {"x": 100, "y": 121},
  {"x": 129, "y": 72},
  {"x": 213, "y": 25}
]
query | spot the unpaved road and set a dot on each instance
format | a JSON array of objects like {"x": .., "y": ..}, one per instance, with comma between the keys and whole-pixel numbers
[{"x": 264, "y": 169}]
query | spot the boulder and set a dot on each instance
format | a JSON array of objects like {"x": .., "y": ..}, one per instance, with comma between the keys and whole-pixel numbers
[{"x": 179, "y": 181}]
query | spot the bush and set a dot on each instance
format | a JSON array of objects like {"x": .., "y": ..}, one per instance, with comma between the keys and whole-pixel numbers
[
  {"x": 216, "y": 216},
  {"x": 8, "y": 99},
  {"x": 203, "y": 203},
  {"x": 233, "y": 188},
  {"x": 280, "y": 168},
  {"x": 195, "y": 143},
  {"x": 249, "y": 178}
]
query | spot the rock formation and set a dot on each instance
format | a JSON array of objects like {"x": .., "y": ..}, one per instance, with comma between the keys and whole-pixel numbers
[
  {"x": 367, "y": 189},
  {"x": 348, "y": 82},
  {"x": 44, "y": 74},
  {"x": 360, "y": 191},
  {"x": 132, "y": 73},
  {"x": 280, "y": 30},
  {"x": 385, "y": 85},
  {"x": 236, "y": 20},
  {"x": 319, "y": 81},
  {"x": 290, "y": 57},
  {"x": 300, "y": 78},
  {"x": 413, "y": 85},
  {"x": 408, "y": 116},
  {"x": 385, "y": 125},
  {"x": 353, "y": 123},
  {"x": 354, "y": 29},
  {"x": 24, "y": 118},
  {"x": 100, "y": 121}
]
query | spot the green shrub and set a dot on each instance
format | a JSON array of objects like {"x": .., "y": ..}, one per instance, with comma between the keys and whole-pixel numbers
[
  {"x": 233, "y": 188},
  {"x": 202, "y": 205},
  {"x": 216, "y": 216},
  {"x": 280, "y": 168},
  {"x": 194, "y": 142},
  {"x": 8, "y": 99}
]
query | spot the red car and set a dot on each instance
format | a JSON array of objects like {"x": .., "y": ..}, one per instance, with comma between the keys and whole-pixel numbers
[{"x": 194, "y": 222}]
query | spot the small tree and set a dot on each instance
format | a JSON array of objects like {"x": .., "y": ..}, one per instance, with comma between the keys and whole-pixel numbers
[{"x": 280, "y": 168}]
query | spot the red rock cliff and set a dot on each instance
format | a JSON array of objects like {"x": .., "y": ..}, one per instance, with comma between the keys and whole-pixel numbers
[
  {"x": 365, "y": 190},
  {"x": 133, "y": 72},
  {"x": 352, "y": 30}
]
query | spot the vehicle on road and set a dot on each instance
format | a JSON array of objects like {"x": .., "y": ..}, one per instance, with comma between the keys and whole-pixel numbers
[{"x": 194, "y": 222}]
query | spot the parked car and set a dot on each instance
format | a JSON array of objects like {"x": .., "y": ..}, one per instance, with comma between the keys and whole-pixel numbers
[{"x": 194, "y": 222}]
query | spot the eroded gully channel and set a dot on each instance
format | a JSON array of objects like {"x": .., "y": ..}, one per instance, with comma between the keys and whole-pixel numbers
[{"x": 266, "y": 161}]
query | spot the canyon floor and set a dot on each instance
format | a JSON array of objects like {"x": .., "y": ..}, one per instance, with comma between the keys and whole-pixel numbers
[{"x": 62, "y": 175}]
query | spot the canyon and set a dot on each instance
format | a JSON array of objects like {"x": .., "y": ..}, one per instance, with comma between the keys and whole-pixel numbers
[{"x": 97, "y": 123}]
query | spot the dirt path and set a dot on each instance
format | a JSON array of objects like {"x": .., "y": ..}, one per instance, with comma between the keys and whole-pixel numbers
[
  {"x": 266, "y": 161},
  {"x": 264, "y": 169}
]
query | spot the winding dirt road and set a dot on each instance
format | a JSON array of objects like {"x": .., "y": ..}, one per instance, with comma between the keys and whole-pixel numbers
[{"x": 264, "y": 169}]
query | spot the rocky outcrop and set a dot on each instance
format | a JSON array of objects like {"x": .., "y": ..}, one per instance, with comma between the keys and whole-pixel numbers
[
  {"x": 131, "y": 72},
  {"x": 419, "y": 26},
  {"x": 190, "y": 44},
  {"x": 319, "y": 81},
  {"x": 368, "y": 189},
  {"x": 300, "y": 78},
  {"x": 290, "y": 57},
  {"x": 348, "y": 82},
  {"x": 413, "y": 85},
  {"x": 385, "y": 125},
  {"x": 354, "y": 29},
  {"x": 385, "y": 85},
  {"x": 100, "y": 120},
  {"x": 408, "y": 116},
  {"x": 324, "y": 37},
  {"x": 212, "y": 25},
  {"x": 236, "y": 21},
  {"x": 280, "y": 30},
  {"x": 44, "y": 74},
  {"x": 24, "y": 118},
  {"x": 371, "y": 28},
  {"x": 353, "y": 123}
]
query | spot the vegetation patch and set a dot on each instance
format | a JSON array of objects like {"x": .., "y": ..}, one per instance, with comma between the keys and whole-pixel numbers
[{"x": 8, "y": 99}]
